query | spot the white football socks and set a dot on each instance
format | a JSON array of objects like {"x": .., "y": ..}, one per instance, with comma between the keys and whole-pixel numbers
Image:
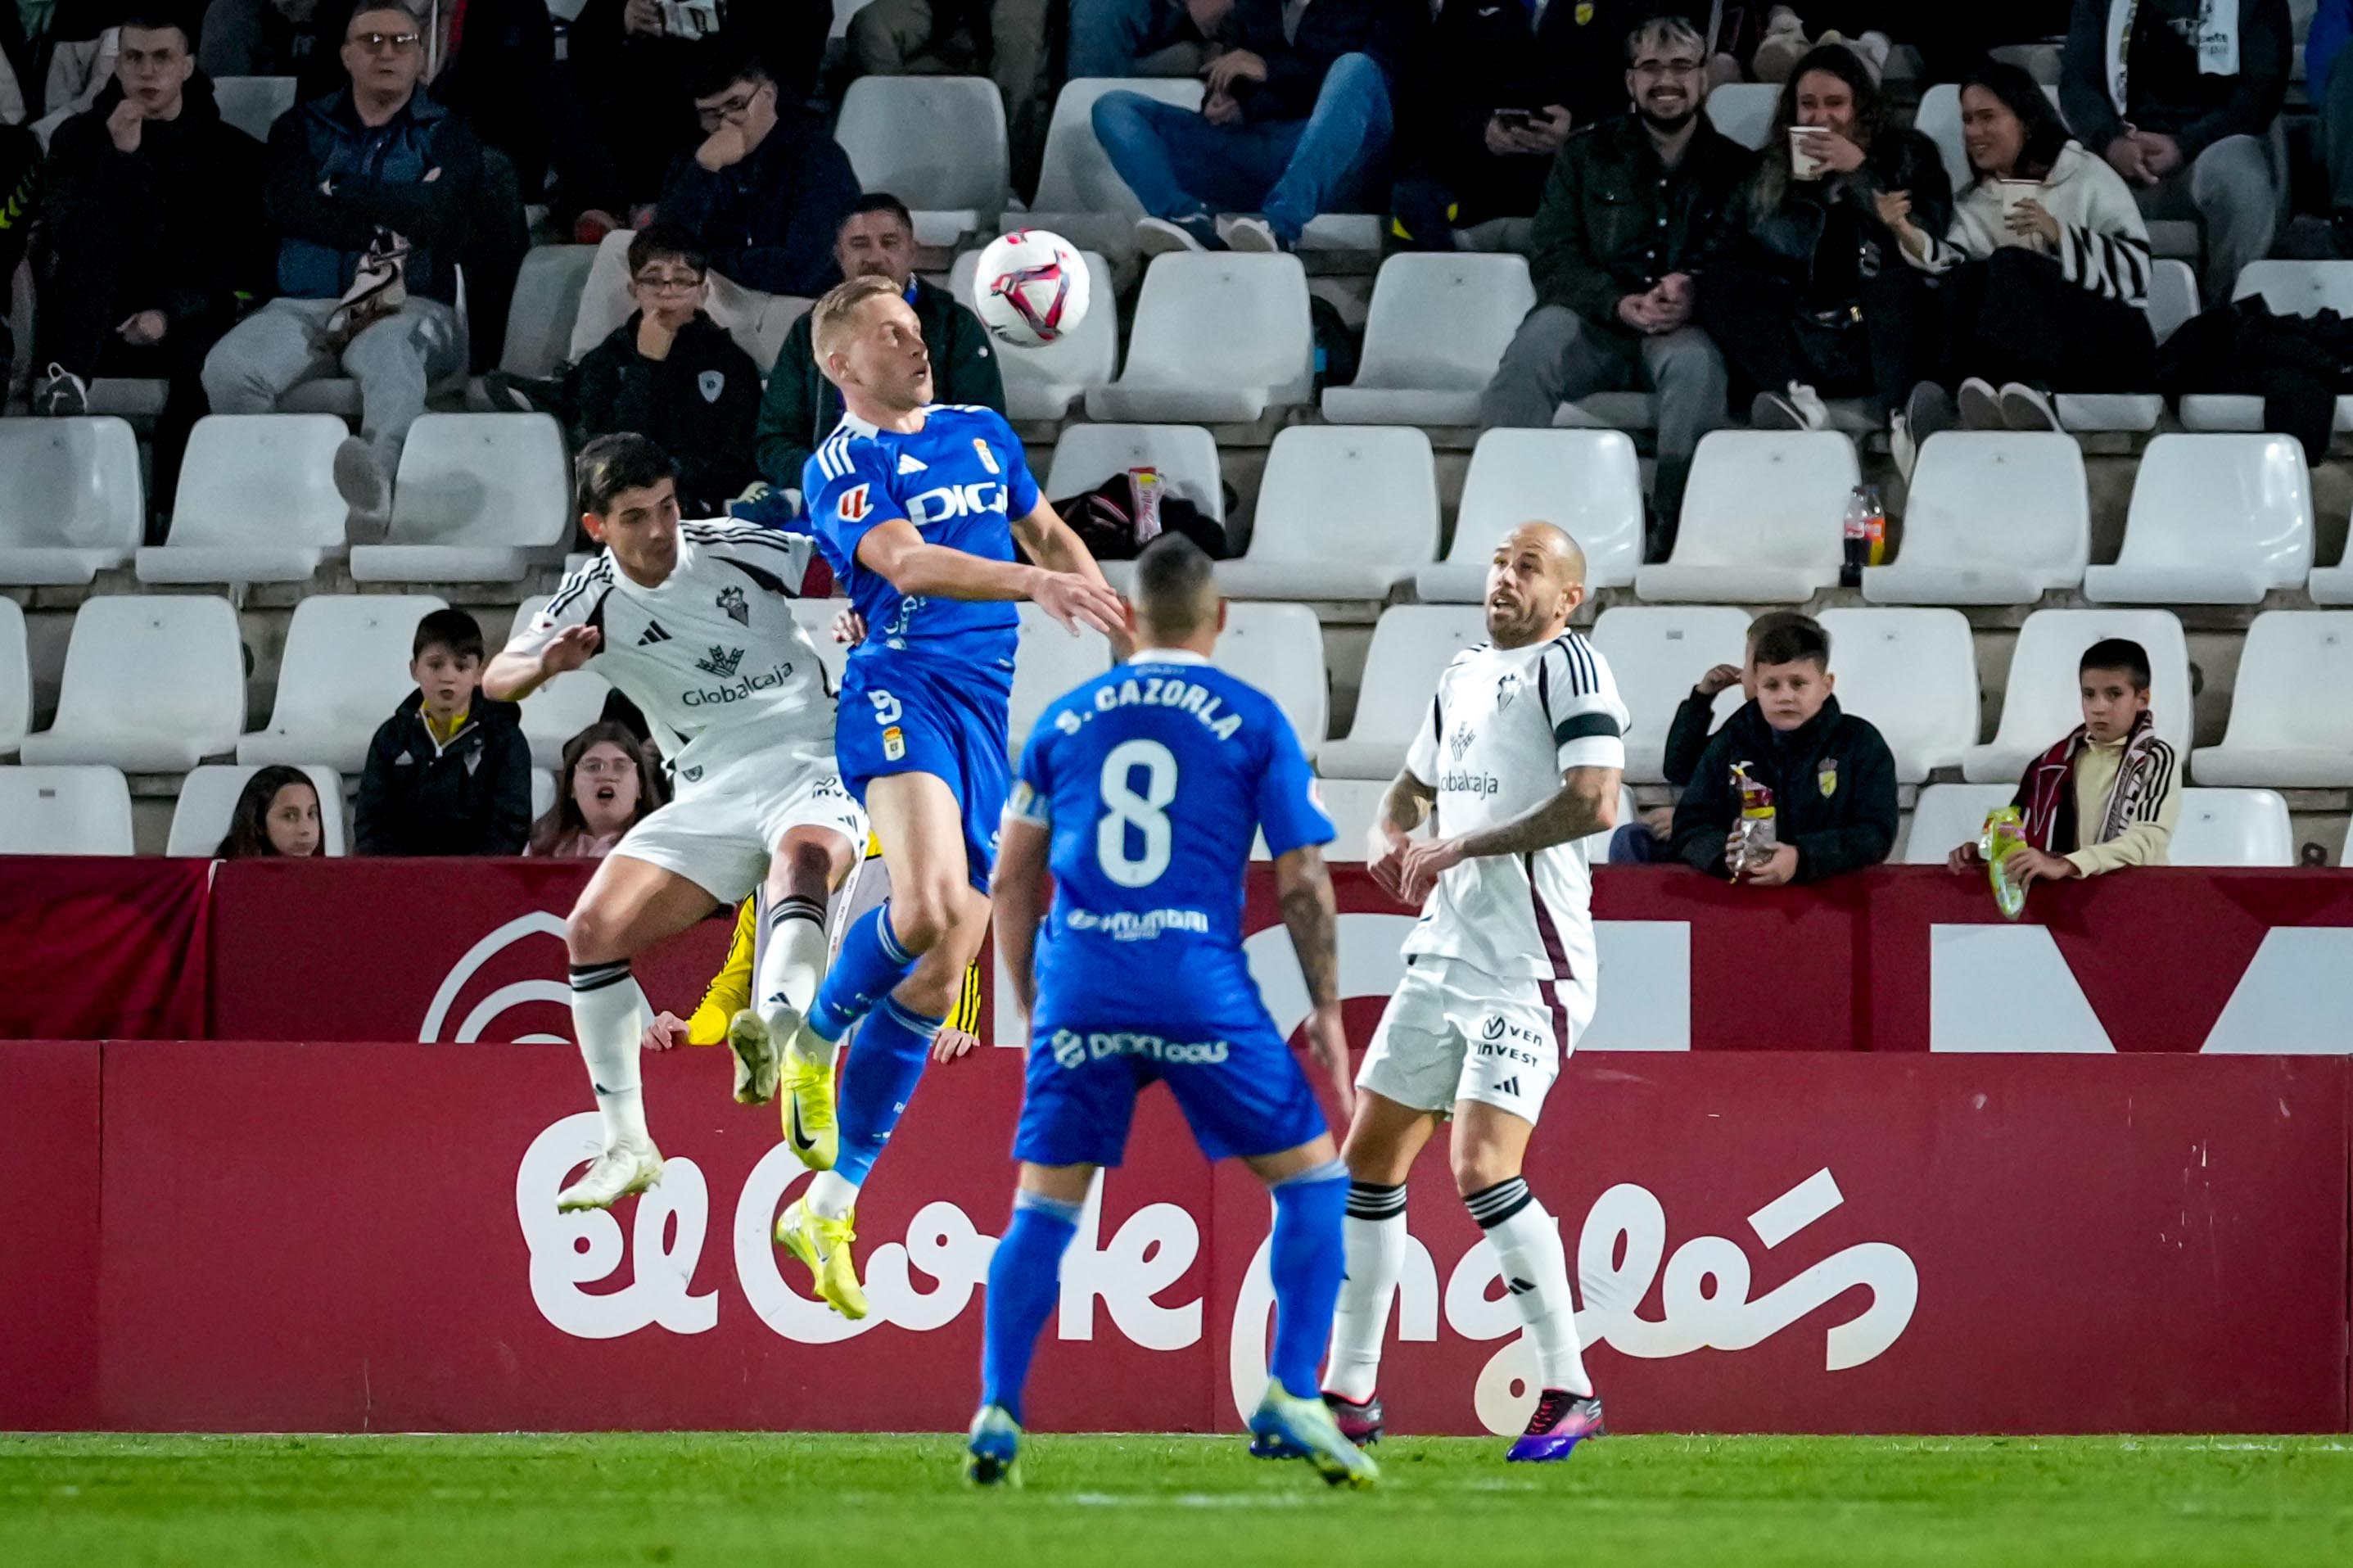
[
  {"x": 831, "y": 1195},
  {"x": 1535, "y": 1271},
  {"x": 792, "y": 958},
  {"x": 609, "y": 1015},
  {"x": 1372, "y": 1237}
]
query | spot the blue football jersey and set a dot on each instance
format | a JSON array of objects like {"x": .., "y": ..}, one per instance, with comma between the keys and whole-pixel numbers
[
  {"x": 1153, "y": 780},
  {"x": 961, "y": 479}
]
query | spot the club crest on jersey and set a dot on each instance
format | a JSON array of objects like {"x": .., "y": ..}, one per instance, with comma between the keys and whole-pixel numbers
[
  {"x": 1826, "y": 777},
  {"x": 711, "y": 383},
  {"x": 1507, "y": 686},
  {"x": 988, "y": 458},
  {"x": 894, "y": 744},
  {"x": 852, "y": 504},
  {"x": 721, "y": 661},
  {"x": 731, "y": 600}
]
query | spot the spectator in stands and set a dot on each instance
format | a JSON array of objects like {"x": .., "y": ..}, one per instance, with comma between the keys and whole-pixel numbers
[
  {"x": 959, "y": 38},
  {"x": 1143, "y": 37},
  {"x": 1832, "y": 779},
  {"x": 1627, "y": 209},
  {"x": 276, "y": 37},
  {"x": 373, "y": 191},
  {"x": 876, "y": 240},
  {"x": 449, "y": 772},
  {"x": 22, "y": 177},
  {"x": 668, "y": 372},
  {"x": 768, "y": 189},
  {"x": 1807, "y": 300},
  {"x": 1296, "y": 122},
  {"x": 2045, "y": 268},
  {"x": 2106, "y": 797},
  {"x": 2332, "y": 94},
  {"x": 607, "y": 785},
  {"x": 1504, "y": 87},
  {"x": 277, "y": 814},
  {"x": 2178, "y": 96},
  {"x": 1687, "y": 737},
  {"x": 153, "y": 228}
]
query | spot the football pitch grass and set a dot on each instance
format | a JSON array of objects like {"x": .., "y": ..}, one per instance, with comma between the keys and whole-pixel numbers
[{"x": 1114, "y": 1502}]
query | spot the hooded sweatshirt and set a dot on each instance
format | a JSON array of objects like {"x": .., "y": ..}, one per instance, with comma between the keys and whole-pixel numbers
[{"x": 2102, "y": 241}]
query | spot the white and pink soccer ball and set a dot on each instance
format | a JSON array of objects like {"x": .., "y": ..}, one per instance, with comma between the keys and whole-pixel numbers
[{"x": 1030, "y": 288}]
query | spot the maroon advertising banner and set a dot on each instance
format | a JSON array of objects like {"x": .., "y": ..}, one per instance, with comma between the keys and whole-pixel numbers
[
  {"x": 103, "y": 950},
  {"x": 49, "y": 1242},
  {"x": 1808, "y": 1241}
]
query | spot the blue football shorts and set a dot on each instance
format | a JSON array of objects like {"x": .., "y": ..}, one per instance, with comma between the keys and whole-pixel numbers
[
  {"x": 1242, "y": 1092},
  {"x": 902, "y": 717}
]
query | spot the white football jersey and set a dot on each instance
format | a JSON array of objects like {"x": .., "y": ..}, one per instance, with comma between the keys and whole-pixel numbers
[
  {"x": 1505, "y": 724},
  {"x": 712, "y": 656}
]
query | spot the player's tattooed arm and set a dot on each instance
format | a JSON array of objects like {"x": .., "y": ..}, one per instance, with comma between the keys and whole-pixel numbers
[
  {"x": 1404, "y": 808},
  {"x": 1586, "y": 802},
  {"x": 1304, "y": 890}
]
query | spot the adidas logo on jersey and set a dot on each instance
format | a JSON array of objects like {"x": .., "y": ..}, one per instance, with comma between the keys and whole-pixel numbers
[
  {"x": 910, "y": 464},
  {"x": 652, "y": 634},
  {"x": 1510, "y": 1085}
]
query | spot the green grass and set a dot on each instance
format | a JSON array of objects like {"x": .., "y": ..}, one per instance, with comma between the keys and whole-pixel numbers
[{"x": 1117, "y": 1502}]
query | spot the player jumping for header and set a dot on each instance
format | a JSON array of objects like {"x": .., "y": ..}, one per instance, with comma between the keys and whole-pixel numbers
[
  {"x": 1142, "y": 789},
  {"x": 1520, "y": 755},
  {"x": 694, "y": 622},
  {"x": 917, "y": 505}
]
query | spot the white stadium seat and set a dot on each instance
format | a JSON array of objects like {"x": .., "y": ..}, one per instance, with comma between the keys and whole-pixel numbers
[
  {"x": 2290, "y": 289},
  {"x": 1586, "y": 482},
  {"x": 1345, "y": 511},
  {"x": 72, "y": 504},
  {"x": 757, "y": 322},
  {"x": 1948, "y": 815},
  {"x": 1351, "y": 804},
  {"x": 152, "y": 685},
  {"x": 65, "y": 810},
  {"x": 1763, "y": 520},
  {"x": 1411, "y": 644},
  {"x": 208, "y": 800},
  {"x": 1657, "y": 653},
  {"x": 543, "y": 791},
  {"x": 257, "y": 502},
  {"x": 561, "y": 708},
  {"x": 1994, "y": 517},
  {"x": 479, "y": 498},
  {"x": 1914, "y": 674},
  {"x": 936, "y": 142},
  {"x": 1047, "y": 662},
  {"x": 2291, "y": 717},
  {"x": 1744, "y": 111},
  {"x": 1043, "y": 383},
  {"x": 2214, "y": 520},
  {"x": 253, "y": 103},
  {"x": 1080, "y": 195},
  {"x": 1279, "y": 649},
  {"x": 815, "y": 617},
  {"x": 1186, "y": 455},
  {"x": 2041, "y": 703},
  {"x": 2172, "y": 301},
  {"x": 1216, "y": 339},
  {"x": 16, "y": 678},
  {"x": 343, "y": 670},
  {"x": 1436, "y": 330},
  {"x": 2232, "y": 828},
  {"x": 546, "y": 303}
]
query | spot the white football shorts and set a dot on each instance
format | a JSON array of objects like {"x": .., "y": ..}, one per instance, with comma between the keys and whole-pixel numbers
[
  {"x": 1454, "y": 1032},
  {"x": 727, "y": 816}
]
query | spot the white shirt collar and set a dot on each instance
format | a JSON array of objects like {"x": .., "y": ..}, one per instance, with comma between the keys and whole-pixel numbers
[{"x": 1167, "y": 656}]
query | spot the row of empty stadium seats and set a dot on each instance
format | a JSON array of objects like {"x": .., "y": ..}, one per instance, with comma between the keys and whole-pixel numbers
[
  {"x": 2216, "y": 827},
  {"x": 157, "y": 685}
]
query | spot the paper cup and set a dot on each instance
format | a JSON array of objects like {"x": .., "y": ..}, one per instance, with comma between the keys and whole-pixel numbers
[
  {"x": 2013, "y": 192},
  {"x": 1803, "y": 162}
]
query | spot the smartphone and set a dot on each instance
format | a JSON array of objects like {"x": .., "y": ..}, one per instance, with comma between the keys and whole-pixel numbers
[
  {"x": 1515, "y": 119},
  {"x": 691, "y": 18}
]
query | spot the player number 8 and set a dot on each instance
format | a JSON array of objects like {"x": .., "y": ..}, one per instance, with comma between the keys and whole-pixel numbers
[{"x": 1125, "y": 808}]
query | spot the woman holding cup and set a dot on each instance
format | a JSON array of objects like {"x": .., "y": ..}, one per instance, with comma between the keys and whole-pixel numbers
[{"x": 2045, "y": 267}]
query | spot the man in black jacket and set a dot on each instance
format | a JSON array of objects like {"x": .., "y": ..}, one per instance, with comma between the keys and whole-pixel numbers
[
  {"x": 1832, "y": 779},
  {"x": 154, "y": 227},
  {"x": 1297, "y": 121},
  {"x": 1629, "y": 205},
  {"x": 449, "y": 772}
]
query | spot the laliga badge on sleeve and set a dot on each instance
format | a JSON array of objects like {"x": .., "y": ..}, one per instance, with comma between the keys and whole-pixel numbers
[{"x": 1826, "y": 777}]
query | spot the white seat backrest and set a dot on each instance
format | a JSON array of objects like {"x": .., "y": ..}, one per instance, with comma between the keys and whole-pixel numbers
[
  {"x": 2001, "y": 498},
  {"x": 1351, "y": 804},
  {"x": 546, "y": 306},
  {"x": 1657, "y": 653},
  {"x": 936, "y": 142},
  {"x": 2042, "y": 702},
  {"x": 64, "y": 810},
  {"x": 1279, "y": 649},
  {"x": 1948, "y": 815},
  {"x": 2295, "y": 670},
  {"x": 143, "y": 663},
  {"x": 1362, "y": 493},
  {"x": 1222, "y": 319},
  {"x": 1086, "y": 355},
  {"x": 843, "y": 10},
  {"x": 70, "y": 482},
  {"x": 1767, "y": 498},
  {"x": 1186, "y": 456},
  {"x": 2298, "y": 287},
  {"x": 253, "y": 103},
  {"x": 1412, "y": 644},
  {"x": 346, "y": 667},
  {"x": 2232, "y": 828},
  {"x": 2172, "y": 296},
  {"x": 1077, "y": 175},
  {"x": 482, "y": 479},
  {"x": 1914, "y": 674},
  {"x": 1589, "y": 484},
  {"x": 1441, "y": 320},
  {"x": 2234, "y": 500},
  {"x": 1047, "y": 662},
  {"x": 208, "y": 798},
  {"x": 16, "y": 677},
  {"x": 1744, "y": 111},
  {"x": 261, "y": 479}
]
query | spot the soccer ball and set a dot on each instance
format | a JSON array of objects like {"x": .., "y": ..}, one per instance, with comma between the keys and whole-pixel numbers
[{"x": 1030, "y": 288}]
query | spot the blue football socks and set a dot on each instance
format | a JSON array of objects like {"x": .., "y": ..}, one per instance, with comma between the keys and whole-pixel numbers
[
  {"x": 1306, "y": 1262},
  {"x": 870, "y": 964},
  {"x": 884, "y": 1063},
  {"x": 1024, "y": 1283}
]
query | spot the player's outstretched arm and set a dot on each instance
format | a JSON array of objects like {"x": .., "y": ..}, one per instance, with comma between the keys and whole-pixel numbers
[
  {"x": 1303, "y": 891},
  {"x": 1018, "y": 893},
  {"x": 899, "y": 553},
  {"x": 515, "y": 672},
  {"x": 1586, "y": 802}
]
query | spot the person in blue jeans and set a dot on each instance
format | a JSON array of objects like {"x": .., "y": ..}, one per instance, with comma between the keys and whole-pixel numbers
[{"x": 1296, "y": 121}]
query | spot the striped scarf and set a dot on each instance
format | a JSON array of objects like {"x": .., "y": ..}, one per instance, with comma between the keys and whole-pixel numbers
[{"x": 2047, "y": 794}]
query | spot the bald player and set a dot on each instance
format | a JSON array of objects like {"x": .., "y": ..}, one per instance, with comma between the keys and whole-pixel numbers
[{"x": 1518, "y": 759}]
